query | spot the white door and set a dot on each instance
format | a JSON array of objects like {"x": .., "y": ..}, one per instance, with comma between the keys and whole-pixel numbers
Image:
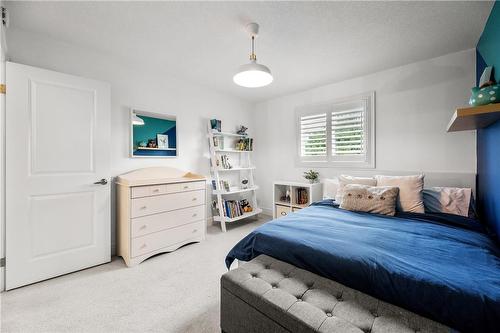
[{"x": 57, "y": 147}]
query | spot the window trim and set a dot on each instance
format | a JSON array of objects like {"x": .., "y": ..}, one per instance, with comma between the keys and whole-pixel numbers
[{"x": 329, "y": 161}]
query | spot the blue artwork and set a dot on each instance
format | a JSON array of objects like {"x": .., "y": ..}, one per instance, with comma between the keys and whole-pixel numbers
[{"x": 157, "y": 137}]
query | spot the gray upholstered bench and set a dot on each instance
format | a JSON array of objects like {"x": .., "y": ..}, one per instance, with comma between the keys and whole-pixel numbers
[{"x": 268, "y": 295}]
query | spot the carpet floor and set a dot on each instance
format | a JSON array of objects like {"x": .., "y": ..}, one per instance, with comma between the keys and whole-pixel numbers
[{"x": 174, "y": 292}]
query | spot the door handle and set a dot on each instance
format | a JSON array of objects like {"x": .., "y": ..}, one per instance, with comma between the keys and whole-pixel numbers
[{"x": 101, "y": 182}]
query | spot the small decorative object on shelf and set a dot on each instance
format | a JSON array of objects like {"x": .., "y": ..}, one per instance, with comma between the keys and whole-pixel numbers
[
  {"x": 152, "y": 143},
  {"x": 242, "y": 130},
  {"x": 312, "y": 176},
  {"x": 162, "y": 140},
  {"x": 216, "y": 125},
  {"x": 488, "y": 91},
  {"x": 286, "y": 198},
  {"x": 244, "y": 183}
]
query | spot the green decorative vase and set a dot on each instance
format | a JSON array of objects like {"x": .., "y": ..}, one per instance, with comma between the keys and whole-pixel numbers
[{"x": 485, "y": 95}]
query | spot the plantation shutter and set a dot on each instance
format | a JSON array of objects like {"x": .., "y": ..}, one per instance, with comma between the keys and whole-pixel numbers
[
  {"x": 313, "y": 136},
  {"x": 348, "y": 131}
]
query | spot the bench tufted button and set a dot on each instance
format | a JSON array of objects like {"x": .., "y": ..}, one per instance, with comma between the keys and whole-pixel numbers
[
  {"x": 267, "y": 267},
  {"x": 254, "y": 275},
  {"x": 299, "y": 299},
  {"x": 374, "y": 313},
  {"x": 274, "y": 286},
  {"x": 329, "y": 314}
]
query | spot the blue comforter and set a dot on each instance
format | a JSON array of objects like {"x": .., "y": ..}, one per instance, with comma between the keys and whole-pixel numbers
[{"x": 426, "y": 264}]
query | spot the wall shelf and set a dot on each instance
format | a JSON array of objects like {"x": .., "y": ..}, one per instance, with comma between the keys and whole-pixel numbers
[
  {"x": 471, "y": 118},
  {"x": 232, "y": 151},
  {"x": 229, "y": 134},
  {"x": 150, "y": 148},
  {"x": 235, "y": 190}
]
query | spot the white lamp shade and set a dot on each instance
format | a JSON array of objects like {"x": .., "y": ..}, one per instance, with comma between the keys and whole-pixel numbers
[
  {"x": 137, "y": 120},
  {"x": 253, "y": 75}
]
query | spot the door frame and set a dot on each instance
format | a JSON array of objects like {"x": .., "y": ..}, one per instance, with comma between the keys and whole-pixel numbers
[{"x": 3, "y": 47}]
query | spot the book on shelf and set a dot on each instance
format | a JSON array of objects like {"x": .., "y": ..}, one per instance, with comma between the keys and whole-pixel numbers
[
  {"x": 234, "y": 208},
  {"x": 302, "y": 196},
  {"x": 218, "y": 142},
  {"x": 216, "y": 125},
  {"x": 223, "y": 161},
  {"x": 245, "y": 144}
]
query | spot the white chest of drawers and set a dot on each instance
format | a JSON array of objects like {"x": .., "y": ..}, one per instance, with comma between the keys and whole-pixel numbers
[{"x": 158, "y": 210}]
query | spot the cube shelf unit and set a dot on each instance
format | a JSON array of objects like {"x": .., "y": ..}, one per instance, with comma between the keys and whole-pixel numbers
[
  {"x": 243, "y": 167},
  {"x": 283, "y": 207}
]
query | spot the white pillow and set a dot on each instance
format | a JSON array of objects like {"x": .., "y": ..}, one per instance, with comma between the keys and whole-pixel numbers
[
  {"x": 410, "y": 197},
  {"x": 451, "y": 200},
  {"x": 330, "y": 187},
  {"x": 346, "y": 180}
]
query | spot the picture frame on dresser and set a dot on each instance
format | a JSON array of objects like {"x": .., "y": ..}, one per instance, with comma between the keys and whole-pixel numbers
[{"x": 147, "y": 129}]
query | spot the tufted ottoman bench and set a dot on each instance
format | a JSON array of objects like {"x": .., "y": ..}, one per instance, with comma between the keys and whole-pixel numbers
[{"x": 268, "y": 295}]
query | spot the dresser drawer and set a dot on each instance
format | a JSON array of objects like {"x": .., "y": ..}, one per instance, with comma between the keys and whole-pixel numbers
[
  {"x": 161, "y": 239},
  {"x": 157, "y": 222},
  {"x": 182, "y": 187},
  {"x": 146, "y": 191},
  {"x": 282, "y": 211},
  {"x": 165, "y": 203}
]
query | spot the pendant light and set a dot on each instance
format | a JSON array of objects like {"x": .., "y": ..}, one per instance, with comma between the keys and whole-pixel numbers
[
  {"x": 136, "y": 120},
  {"x": 253, "y": 75}
]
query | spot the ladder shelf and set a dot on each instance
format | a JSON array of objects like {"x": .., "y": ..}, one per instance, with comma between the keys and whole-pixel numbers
[{"x": 242, "y": 170}]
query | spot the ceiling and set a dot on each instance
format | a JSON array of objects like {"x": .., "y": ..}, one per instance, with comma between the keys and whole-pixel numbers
[{"x": 305, "y": 44}]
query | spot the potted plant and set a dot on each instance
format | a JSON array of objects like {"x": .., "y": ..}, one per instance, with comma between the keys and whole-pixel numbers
[{"x": 312, "y": 176}]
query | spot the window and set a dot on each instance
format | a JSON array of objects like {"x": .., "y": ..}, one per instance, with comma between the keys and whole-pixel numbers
[{"x": 338, "y": 134}]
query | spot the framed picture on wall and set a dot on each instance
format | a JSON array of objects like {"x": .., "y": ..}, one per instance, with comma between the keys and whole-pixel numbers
[{"x": 152, "y": 134}]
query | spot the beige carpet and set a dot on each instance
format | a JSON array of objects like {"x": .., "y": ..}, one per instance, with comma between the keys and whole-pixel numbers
[{"x": 174, "y": 292}]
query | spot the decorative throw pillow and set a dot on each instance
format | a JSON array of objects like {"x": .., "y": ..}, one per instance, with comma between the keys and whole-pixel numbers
[
  {"x": 346, "y": 180},
  {"x": 450, "y": 200},
  {"x": 363, "y": 198},
  {"x": 330, "y": 187},
  {"x": 410, "y": 191}
]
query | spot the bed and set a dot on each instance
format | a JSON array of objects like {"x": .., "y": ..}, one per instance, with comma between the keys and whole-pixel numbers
[{"x": 440, "y": 266}]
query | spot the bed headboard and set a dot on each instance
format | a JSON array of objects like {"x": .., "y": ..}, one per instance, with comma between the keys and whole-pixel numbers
[{"x": 432, "y": 179}]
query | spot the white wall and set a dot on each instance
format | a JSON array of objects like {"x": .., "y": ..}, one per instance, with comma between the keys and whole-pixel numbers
[
  {"x": 414, "y": 104},
  {"x": 142, "y": 87}
]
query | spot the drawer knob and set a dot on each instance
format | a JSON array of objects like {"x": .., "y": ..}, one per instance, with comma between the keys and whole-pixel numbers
[
  {"x": 143, "y": 207},
  {"x": 186, "y": 187},
  {"x": 156, "y": 190},
  {"x": 194, "y": 199},
  {"x": 195, "y": 230},
  {"x": 143, "y": 246},
  {"x": 283, "y": 213},
  {"x": 143, "y": 227},
  {"x": 194, "y": 215}
]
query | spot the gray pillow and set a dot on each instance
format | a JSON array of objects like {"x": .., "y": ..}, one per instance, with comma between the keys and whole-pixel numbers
[
  {"x": 451, "y": 200},
  {"x": 370, "y": 199}
]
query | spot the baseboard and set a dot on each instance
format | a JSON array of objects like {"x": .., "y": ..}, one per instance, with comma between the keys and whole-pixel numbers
[{"x": 267, "y": 211}]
